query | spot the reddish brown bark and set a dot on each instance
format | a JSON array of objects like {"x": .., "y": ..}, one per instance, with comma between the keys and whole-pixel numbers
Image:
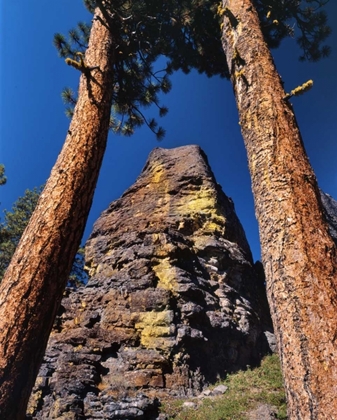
[
  {"x": 33, "y": 285},
  {"x": 297, "y": 252}
]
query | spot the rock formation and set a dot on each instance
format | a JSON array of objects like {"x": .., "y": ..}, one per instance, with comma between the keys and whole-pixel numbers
[
  {"x": 173, "y": 302},
  {"x": 330, "y": 212}
]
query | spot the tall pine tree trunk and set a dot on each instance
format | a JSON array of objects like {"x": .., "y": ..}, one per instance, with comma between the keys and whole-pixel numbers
[
  {"x": 33, "y": 285},
  {"x": 298, "y": 255}
]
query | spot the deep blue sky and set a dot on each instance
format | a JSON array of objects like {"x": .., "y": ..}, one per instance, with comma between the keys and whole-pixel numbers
[{"x": 201, "y": 111}]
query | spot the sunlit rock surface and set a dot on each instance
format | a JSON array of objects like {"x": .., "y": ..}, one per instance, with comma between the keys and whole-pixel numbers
[{"x": 173, "y": 303}]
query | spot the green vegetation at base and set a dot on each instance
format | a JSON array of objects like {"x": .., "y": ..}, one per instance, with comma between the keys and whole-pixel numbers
[{"x": 246, "y": 391}]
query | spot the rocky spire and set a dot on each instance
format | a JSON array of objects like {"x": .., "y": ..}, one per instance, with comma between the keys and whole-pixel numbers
[{"x": 173, "y": 302}]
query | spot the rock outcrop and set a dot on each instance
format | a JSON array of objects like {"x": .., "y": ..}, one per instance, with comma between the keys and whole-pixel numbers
[
  {"x": 173, "y": 303},
  {"x": 330, "y": 212}
]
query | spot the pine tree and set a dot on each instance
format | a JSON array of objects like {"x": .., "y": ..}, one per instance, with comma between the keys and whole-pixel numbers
[
  {"x": 125, "y": 39},
  {"x": 32, "y": 287},
  {"x": 146, "y": 31},
  {"x": 298, "y": 254}
]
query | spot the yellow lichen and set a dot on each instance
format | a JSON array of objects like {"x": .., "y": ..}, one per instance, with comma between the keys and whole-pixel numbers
[
  {"x": 163, "y": 343},
  {"x": 34, "y": 402},
  {"x": 212, "y": 226},
  {"x": 158, "y": 174},
  {"x": 166, "y": 275},
  {"x": 325, "y": 366},
  {"x": 154, "y": 328},
  {"x": 235, "y": 54},
  {"x": 220, "y": 10},
  {"x": 197, "y": 202},
  {"x": 156, "y": 331},
  {"x": 236, "y": 58},
  {"x": 239, "y": 73},
  {"x": 225, "y": 11},
  {"x": 154, "y": 319}
]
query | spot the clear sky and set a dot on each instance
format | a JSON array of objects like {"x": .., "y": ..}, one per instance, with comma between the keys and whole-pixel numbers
[{"x": 202, "y": 111}]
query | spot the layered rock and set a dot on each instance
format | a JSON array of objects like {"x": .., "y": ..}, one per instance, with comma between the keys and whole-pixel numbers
[{"x": 173, "y": 302}]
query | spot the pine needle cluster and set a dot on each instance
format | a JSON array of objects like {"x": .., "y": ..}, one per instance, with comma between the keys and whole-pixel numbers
[
  {"x": 304, "y": 20},
  {"x": 3, "y": 178},
  {"x": 187, "y": 33},
  {"x": 145, "y": 31}
]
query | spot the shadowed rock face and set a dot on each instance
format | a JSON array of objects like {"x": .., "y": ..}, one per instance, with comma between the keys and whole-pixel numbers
[
  {"x": 330, "y": 212},
  {"x": 173, "y": 302}
]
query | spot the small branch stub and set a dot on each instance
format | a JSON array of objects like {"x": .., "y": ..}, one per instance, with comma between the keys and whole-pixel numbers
[
  {"x": 80, "y": 64},
  {"x": 299, "y": 90}
]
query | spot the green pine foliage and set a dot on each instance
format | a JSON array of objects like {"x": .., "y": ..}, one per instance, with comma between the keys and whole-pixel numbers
[
  {"x": 14, "y": 224},
  {"x": 144, "y": 32},
  {"x": 11, "y": 230},
  {"x": 69, "y": 98},
  {"x": 304, "y": 20},
  {"x": 3, "y": 178},
  {"x": 187, "y": 34}
]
